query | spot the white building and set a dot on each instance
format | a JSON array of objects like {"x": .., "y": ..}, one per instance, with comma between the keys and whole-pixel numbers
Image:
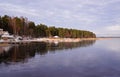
[{"x": 5, "y": 35}]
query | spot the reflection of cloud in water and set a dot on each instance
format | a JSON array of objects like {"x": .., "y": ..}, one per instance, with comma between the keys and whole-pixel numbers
[
  {"x": 111, "y": 44},
  {"x": 115, "y": 46}
]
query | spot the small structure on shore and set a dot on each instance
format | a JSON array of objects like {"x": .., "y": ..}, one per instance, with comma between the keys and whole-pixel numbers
[
  {"x": 56, "y": 37},
  {"x": 1, "y": 31},
  {"x": 7, "y": 36}
]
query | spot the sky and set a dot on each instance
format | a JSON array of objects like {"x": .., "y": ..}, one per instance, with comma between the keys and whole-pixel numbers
[{"x": 99, "y": 16}]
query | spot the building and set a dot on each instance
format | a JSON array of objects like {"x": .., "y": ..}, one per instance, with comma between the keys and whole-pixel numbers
[
  {"x": 5, "y": 35},
  {"x": 1, "y": 31}
]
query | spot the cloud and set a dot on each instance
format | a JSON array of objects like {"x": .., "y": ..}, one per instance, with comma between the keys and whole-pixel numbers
[
  {"x": 95, "y": 15},
  {"x": 18, "y": 9},
  {"x": 110, "y": 30},
  {"x": 113, "y": 28}
]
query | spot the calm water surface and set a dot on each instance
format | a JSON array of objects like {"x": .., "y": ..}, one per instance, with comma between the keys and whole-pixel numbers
[{"x": 100, "y": 58}]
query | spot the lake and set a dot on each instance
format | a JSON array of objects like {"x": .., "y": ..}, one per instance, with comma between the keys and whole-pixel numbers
[{"x": 90, "y": 58}]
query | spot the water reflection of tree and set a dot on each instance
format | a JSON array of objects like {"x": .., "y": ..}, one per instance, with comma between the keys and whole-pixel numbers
[{"x": 21, "y": 53}]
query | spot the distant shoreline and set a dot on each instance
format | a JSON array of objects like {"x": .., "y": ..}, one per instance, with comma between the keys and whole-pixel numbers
[{"x": 107, "y": 37}]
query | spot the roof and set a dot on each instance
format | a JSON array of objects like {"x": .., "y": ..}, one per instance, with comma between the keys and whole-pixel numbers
[{"x": 7, "y": 36}]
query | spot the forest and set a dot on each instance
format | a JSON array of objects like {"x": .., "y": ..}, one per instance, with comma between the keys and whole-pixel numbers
[{"x": 23, "y": 27}]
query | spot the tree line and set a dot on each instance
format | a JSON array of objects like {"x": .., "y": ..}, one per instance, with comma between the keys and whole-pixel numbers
[{"x": 23, "y": 27}]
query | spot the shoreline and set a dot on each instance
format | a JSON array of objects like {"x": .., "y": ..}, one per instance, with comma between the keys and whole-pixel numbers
[
  {"x": 49, "y": 40},
  {"x": 63, "y": 39}
]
